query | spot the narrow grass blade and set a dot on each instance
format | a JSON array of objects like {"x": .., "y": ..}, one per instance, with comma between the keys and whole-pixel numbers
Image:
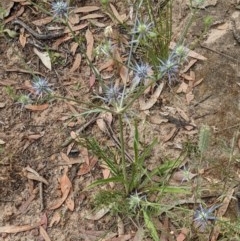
[
  {"x": 150, "y": 226},
  {"x": 105, "y": 181}
]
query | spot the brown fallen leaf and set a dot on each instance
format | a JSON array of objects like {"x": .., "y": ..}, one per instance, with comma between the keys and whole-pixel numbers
[
  {"x": 22, "y": 39},
  {"x": 189, "y": 97},
  {"x": 97, "y": 214},
  {"x": 90, "y": 42},
  {"x": 55, "y": 219},
  {"x": 33, "y": 175},
  {"x": 182, "y": 88},
  {"x": 124, "y": 74},
  {"x": 44, "y": 57},
  {"x": 70, "y": 201},
  {"x": 93, "y": 15},
  {"x": 44, "y": 234},
  {"x": 17, "y": 229},
  {"x": 183, "y": 235},
  {"x": 86, "y": 9},
  {"x": 170, "y": 134},
  {"x": 74, "y": 47},
  {"x": 36, "y": 107},
  {"x": 153, "y": 99},
  {"x": 183, "y": 114},
  {"x": 139, "y": 235},
  {"x": 42, "y": 21},
  {"x": 34, "y": 137},
  {"x": 116, "y": 14},
  {"x": 85, "y": 168},
  {"x": 65, "y": 185},
  {"x": 36, "y": 178},
  {"x": 76, "y": 63},
  {"x": 190, "y": 64}
]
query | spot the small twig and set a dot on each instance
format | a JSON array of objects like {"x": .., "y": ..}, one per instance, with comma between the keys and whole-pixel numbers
[
  {"x": 41, "y": 195},
  {"x": 217, "y": 52}
]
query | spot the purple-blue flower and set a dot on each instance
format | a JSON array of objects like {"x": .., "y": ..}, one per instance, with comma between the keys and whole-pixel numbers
[
  {"x": 202, "y": 216},
  {"x": 41, "y": 86},
  {"x": 143, "y": 29},
  {"x": 60, "y": 9},
  {"x": 170, "y": 68}
]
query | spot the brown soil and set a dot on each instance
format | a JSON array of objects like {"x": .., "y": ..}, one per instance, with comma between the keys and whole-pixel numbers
[{"x": 35, "y": 138}]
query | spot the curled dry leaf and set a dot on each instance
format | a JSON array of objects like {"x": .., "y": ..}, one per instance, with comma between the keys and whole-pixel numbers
[
  {"x": 22, "y": 39},
  {"x": 116, "y": 14},
  {"x": 97, "y": 215},
  {"x": 55, "y": 219},
  {"x": 44, "y": 234},
  {"x": 2, "y": 142},
  {"x": 153, "y": 99},
  {"x": 183, "y": 235},
  {"x": 93, "y": 15},
  {"x": 44, "y": 57},
  {"x": 90, "y": 42},
  {"x": 76, "y": 63},
  {"x": 17, "y": 229},
  {"x": 86, "y": 9},
  {"x": 65, "y": 185},
  {"x": 36, "y": 107},
  {"x": 70, "y": 201},
  {"x": 124, "y": 74}
]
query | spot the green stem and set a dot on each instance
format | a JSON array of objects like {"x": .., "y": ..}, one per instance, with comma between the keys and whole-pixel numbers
[{"x": 123, "y": 162}]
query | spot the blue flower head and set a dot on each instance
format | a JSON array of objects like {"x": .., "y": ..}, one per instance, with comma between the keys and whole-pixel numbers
[
  {"x": 143, "y": 29},
  {"x": 170, "y": 68},
  {"x": 181, "y": 53},
  {"x": 111, "y": 94},
  {"x": 142, "y": 71},
  {"x": 60, "y": 9},
  {"x": 41, "y": 86},
  {"x": 202, "y": 216}
]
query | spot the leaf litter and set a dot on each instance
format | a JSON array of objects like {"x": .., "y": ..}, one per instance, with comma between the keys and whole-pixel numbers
[{"x": 66, "y": 186}]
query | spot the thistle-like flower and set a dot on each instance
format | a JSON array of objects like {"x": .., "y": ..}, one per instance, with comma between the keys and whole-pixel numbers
[
  {"x": 24, "y": 100},
  {"x": 143, "y": 29},
  {"x": 181, "y": 53},
  {"x": 41, "y": 86},
  {"x": 135, "y": 201},
  {"x": 203, "y": 216},
  {"x": 170, "y": 68},
  {"x": 60, "y": 9},
  {"x": 142, "y": 73},
  {"x": 111, "y": 94}
]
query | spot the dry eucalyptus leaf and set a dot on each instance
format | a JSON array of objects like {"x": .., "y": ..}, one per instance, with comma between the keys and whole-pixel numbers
[
  {"x": 86, "y": 9},
  {"x": 153, "y": 99},
  {"x": 76, "y": 63},
  {"x": 97, "y": 215},
  {"x": 44, "y": 57},
  {"x": 2, "y": 142},
  {"x": 90, "y": 42}
]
